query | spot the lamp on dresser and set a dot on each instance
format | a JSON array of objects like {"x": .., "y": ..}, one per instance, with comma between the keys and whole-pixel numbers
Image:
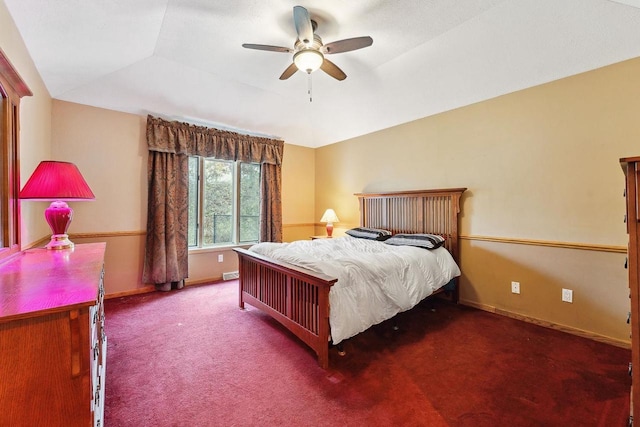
[
  {"x": 329, "y": 217},
  {"x": 57, "y": 182}
]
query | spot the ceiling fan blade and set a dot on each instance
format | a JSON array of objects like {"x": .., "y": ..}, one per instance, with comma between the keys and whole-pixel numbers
[
  {"x": 302, "y": 21},
  {"x": 347, "y": 45},
  {"x": 290, "y": 71},
  {"x": 333, "y": 70},
  {"x": 267, "y": 47}
]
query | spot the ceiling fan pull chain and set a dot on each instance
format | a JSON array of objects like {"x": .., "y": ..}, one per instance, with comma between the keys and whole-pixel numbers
[{"x": 310, "y": 89}]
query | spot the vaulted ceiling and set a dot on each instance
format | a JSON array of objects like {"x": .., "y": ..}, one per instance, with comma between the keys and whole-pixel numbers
[{"x": 184, "y": 60}]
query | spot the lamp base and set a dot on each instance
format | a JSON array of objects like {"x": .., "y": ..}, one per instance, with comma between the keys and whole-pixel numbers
[
  {"x": 329, "y": 229},
  {"x": 60, "y": 241},
  {"x": 59, "y": 216}
]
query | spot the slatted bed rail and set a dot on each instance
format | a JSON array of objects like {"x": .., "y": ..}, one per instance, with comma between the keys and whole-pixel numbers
[{"x": 299, "y": 298}]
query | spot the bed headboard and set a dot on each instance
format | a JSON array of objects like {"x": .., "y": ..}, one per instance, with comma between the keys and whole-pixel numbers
[{"x": 418, "y": 211}]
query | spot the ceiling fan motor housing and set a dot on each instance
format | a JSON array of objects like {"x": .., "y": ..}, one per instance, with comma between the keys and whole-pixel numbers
[
  {"x": 316, "y": 44},
  {"x": 308, "y": 57}
]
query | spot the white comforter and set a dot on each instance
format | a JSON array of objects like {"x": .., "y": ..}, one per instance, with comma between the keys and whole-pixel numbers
[{"x": 375, "y": 280}]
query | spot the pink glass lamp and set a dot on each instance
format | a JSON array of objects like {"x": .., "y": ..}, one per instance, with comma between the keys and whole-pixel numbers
[
  {"x": 58, "y": 182},
  {"x": 329, "y": 217}
]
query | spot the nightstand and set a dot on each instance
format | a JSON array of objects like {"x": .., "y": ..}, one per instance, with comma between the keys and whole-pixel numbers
[{"x": 320, "y": 237}]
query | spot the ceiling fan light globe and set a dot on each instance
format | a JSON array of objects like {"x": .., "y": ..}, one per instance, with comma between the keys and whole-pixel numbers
[{"x": 308, "y": 60}]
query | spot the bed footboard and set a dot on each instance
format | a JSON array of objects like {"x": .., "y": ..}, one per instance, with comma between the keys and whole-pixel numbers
[{"x": 295, "y": 297}]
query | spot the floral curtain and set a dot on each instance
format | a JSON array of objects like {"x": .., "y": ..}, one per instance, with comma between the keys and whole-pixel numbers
[
  {"x": 166, "y": 253},
  {"x": 170, "y": 144},
  {"x": 270, "y": 206}
]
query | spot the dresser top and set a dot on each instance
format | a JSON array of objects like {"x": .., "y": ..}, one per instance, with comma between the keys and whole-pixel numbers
[{"x": 41, "y": 280}]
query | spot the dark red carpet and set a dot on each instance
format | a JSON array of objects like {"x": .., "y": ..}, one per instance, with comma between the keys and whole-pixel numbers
[{"x": 193, "y": 358}]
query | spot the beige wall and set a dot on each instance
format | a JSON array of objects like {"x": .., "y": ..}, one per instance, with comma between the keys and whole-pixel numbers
[
  {"x": 597, "y": 278},
  {"x": 35, "y": 123},
  {"x": 539, "y": 164},
  {"x": 109, "y": 148},
  {"x": 298, "y": 193}
]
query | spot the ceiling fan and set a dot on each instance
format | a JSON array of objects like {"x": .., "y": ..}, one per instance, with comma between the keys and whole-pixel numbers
[{"x": 309, "y": 51}]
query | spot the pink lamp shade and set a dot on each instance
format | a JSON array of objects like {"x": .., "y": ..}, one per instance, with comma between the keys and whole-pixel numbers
[{"x": 58, "y": 182}]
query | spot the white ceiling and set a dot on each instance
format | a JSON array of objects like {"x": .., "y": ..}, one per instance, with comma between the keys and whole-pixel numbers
[{"x": 183, "y": 59}]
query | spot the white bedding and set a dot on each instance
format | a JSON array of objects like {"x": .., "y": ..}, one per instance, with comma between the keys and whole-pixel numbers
[{"x": 375, "y": 280}]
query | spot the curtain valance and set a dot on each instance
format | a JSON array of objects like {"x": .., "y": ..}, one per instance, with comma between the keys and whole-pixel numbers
[{"x": 184, "y": 138}]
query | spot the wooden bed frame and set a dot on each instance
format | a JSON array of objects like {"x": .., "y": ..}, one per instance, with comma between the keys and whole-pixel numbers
[{"x": 299, "y": 298}]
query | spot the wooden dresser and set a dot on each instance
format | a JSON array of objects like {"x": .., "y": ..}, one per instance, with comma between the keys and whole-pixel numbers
[
  {"x": 52, "y": 340},
  {"x": 631, "y": 168}
]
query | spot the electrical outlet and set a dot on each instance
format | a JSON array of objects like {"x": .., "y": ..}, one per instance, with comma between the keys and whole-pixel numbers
[
  {"x": 567, "y": 295},
  {"x": 220, "y": 257},
  {"x": 515, "y": 287}
]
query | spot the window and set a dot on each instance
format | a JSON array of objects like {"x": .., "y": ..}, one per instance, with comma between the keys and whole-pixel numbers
[
  {"x": 224, "y": 202},
  {"x": 12, "y": 88}
]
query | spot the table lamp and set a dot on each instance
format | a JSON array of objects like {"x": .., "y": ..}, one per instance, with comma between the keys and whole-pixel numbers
[
  {"x": 59, "y": 182},
  {"x": 329, "y": 217}
]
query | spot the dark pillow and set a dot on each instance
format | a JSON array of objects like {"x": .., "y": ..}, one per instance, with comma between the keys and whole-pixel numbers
[
  {"x": 369, "y": 233},
  {"x": 428, "y": 241}
]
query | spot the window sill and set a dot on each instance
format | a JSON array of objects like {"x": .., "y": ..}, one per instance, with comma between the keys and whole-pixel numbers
[{"x": 221, "y": 248}]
